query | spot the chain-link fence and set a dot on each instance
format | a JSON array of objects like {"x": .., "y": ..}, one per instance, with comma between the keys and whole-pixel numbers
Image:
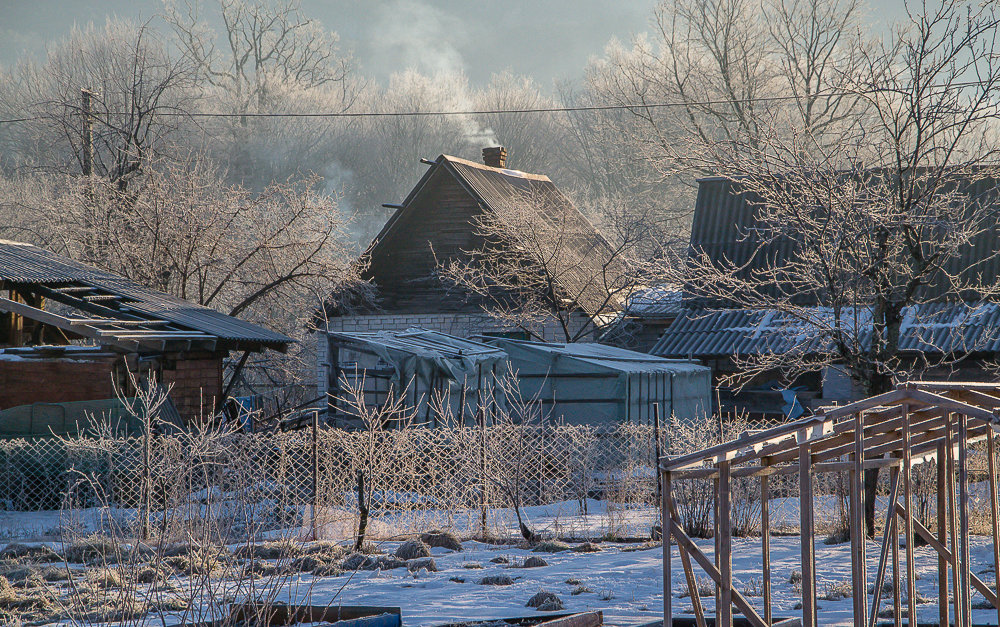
[
  {"x": 464, "y": 478},
  {"x": 467, "y": 479}
]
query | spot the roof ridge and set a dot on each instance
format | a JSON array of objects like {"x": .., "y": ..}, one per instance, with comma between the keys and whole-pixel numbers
[{"x": 503, "y": 171}]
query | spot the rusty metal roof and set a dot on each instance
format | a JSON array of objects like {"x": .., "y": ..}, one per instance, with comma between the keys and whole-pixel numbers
[
  {"x": 927, "y": 328},
  {"x": 33, "y": 267}
]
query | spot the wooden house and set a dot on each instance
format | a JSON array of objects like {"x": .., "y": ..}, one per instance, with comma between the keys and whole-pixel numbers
[{"x": 437, "y": 222}]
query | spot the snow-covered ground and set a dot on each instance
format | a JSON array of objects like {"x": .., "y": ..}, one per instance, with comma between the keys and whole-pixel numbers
[{"x": 623, "y": 580}]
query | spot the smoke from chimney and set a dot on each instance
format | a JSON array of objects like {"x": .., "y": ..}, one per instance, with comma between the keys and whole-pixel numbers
[{"x": 495, "y": 156}]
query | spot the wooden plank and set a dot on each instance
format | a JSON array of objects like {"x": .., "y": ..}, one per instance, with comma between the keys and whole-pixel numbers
[
  {"x": 665, "y": 494},
  {"x": 60, "y": 322},
  {"x": 859, "y": 577},
  {"x": 938, "y": 546},
  {"x": 725, "y": 546},
  {"x": 883, "y": 559},
  {"x": 808, "y": 548},
  {"x": 994, "y": 509},
  {"x": 942, "y": 526},
  {"x": 911, "y": 590},
  {"x": 897, "y": 605},
  {"x": 953, "y": 517},
  {"x": 741, "y": 602},
  {"x": 963, "y": 515},
  {"x": 765, "y": 543},
  {"x": 281, "y": 614},
  {"x": 674, "y": 527},
  {"x": 584, "y": 619}
]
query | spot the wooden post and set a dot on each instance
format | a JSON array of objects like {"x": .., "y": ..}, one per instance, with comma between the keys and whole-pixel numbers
[
  {"x": 725, "y": 546},
  {"x": 808, "y": 548},
  {"x": 858, "y": 575},
  {"x": 911, "y": 589},
  {"x": 956, "y": 584},
  {"x": 942, "y": 533},
  {"x": 963, "y": 502},
  {"x": 699, "y": 612},
  {"x": 656, "y": 452},
  {"x": 994, "y": 507},
  {"x": 890, "y": 516},
  {"x": 897, "y": 615},
  {"x": 717, "y": 537},
  {"x": 765, "y": 542},
  {"x": 665, "y": 536}
]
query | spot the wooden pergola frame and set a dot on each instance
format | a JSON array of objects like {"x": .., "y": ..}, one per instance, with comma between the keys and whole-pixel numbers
[{"x": 915, "y": 423}]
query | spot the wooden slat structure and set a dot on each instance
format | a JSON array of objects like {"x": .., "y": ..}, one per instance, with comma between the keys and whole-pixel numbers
[{"x": 918, "y": 422}]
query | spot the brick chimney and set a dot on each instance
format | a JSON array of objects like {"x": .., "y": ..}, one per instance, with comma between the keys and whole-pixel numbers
[{"x": 495, "y": 157}]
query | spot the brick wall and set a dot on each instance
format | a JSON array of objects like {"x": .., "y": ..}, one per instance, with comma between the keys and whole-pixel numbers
[
  {"x": 27, "y": 381},
  {"x": 458, "y": 324},
  {"x": 197, "y": 385}
]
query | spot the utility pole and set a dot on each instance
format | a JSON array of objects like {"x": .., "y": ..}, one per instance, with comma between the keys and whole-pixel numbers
[{"x": 88, "y": 132}]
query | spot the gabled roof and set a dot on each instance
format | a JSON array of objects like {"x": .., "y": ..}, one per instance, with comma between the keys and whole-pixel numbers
[
  {"x": 114, "y": 310},
  {"x": 490, "y": 188}
]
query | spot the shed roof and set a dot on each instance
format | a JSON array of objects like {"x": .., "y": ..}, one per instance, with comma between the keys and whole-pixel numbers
[
  {"x": 928, "y": 328},
  {"x": 118, "y": 308},
  {"x": 416, "y": 341},
  {"x": 663, "y": 301},
  {"x": 580, "y": 269},
  {"x": 600, "y": 355}
]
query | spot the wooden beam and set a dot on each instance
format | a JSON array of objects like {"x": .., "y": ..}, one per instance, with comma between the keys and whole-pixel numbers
[
  {"x": 911, "y": 589},
  {"x": 706, "y": 564},
  {"x": 994, "y": 509},
  {"x": 765, "y": 543},
  {"x": 942, "y": 526},
  {"x": 725, "y": 546},
  {"x": 937, "y": 545},
  {"x": 953, "y": 518},
  {"x": 963, "y": 515},
  {"x": 859, "y": 590},
  {"x": 807, "y": 546},
  {"x": 673, "y": 529},
  {"x": 60, "y": 322},
  {"x": 883, "y": 558},
  {"x": 665, "y": 535}
]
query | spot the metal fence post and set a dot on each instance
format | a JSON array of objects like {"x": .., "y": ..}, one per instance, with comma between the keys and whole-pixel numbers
[
  {"x": 315, "y": 471},
  {"x": 482, "y": 471},
  {"x": 145, "y": 496}
]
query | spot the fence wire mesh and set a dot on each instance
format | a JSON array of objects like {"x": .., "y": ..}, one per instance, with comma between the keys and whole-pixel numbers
[
  {"x": 462, "y": 478},
  {"x": 466, "y": 479}
]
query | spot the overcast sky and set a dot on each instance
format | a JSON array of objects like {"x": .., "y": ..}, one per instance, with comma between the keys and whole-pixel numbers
[{"x": 547, "y": 39}]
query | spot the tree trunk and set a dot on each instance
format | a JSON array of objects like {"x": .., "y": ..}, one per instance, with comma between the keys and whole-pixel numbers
[{"x": 877, "y": 384}]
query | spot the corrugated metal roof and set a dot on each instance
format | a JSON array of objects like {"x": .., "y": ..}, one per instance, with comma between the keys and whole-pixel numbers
[
  {"x": 25, "y": 264},
  {"x": 930, "y": 327},
  {"x": 725, "y": 226},
  {"x": 655, "y": 302}
]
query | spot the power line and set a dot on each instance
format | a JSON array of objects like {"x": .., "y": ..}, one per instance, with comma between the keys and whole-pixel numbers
[{"x": 396, "y": 114}]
